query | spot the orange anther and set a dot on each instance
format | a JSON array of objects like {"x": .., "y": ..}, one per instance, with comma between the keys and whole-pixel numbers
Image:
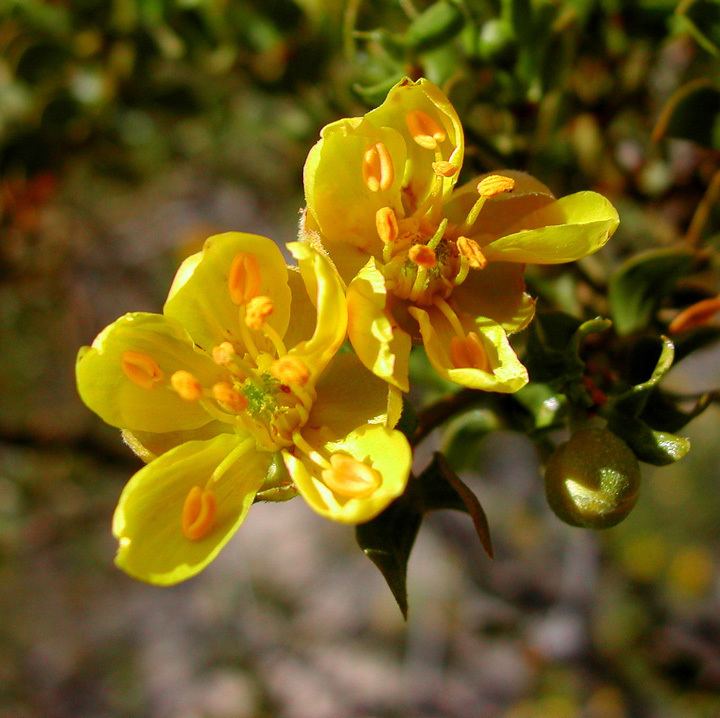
[
  {"x": 198, "y": 513},
  {"x": 468, "y": 352},
  {"x": 387, "y": 225},
  {"x": 470, "y": 249},
  {"x": 257, "y": 311},
  {"x": 493, "y": 185},
  {"x": 422, "y": 255},
  {"x": 244, "y": 278},
  {"x": 444, "y": 169},
  {"x": 290, "y": 370},
  {"x": 695, "y": 315},
  {"x": 223, "y": 353},
  {"x": 424, "y": 129},
  {"x": 377, "y": 168},
  {"x": 351, "y": 478},
  {"x": 141, "y": 369},
  {"x": 224, "y": 393},
  {"x": 186, "y": 385}
]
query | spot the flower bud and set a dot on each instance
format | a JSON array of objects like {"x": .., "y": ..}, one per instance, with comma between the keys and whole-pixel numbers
[{"x": 592, "y": 480}]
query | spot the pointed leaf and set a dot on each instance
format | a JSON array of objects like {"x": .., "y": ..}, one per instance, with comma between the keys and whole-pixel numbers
[{"x": 653, "y": 447}]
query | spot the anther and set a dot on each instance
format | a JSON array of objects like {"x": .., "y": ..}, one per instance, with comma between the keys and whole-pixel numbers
[
  {"x": 227, "y": 396},
  {"x": 470, "y": 249},
  {"x": 350, "y": 478},
  {"x": 444, "y": 169},
  {"x": 422, "y": 255},
  {"x": 198, "y": 513},
  {"x": 223, "y": 353},
  {"x": 244, "y": 278},
  {"x": 141, "y": 369},
  {"x": 290, "y": 370},
  {"x": 695, "y": 315},
  {"x": 257, "y": 311},
  {"x": 387, "y": 225},
  {"x": 424, "y": 129},
  {"x": 186, "y": 385},
  {"x": 377, "y": 168},
  {"x": 468, "y": 352},
  {"x": 494, "y": 185}
]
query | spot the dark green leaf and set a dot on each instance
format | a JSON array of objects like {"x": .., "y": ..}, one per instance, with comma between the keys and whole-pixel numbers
[
  {"x": 387, "y": 541},
  {"x": 653, "y": 447},
  {"x": 691, "y": 341},
  {"x": 544, "y": 405},
  {"x": 639, "y": 285},
  {"x": 661, "y": 411},
  {"x": 435, "y": 26}
]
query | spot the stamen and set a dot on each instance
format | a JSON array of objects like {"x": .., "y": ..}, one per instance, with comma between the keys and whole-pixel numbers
[
  {"x": 470, "y": 249},
  {"x": 464, "y": 270},
  {"x": 141, "y": 369},
  {"x": 468, "y": 352},
  {"x": 438, "y": 234},
  {"x": 422, "y": 255},
  {"x": 387, "y": 225},
  {"x": 274, "y": 337},
  {"x": 494, "y": 185},
  {"x": 308, "y": 450},
  {"x": 230, "y": 398},
  {"x": 695, "y": 315},
  {"x": 244, "y": 278},
  {"x": 198, "y": 513},
  {"x": 223, "y": 354},
  {"x": 290, "y": 370},
  {"x": 424, "y": 129},
  {"x": 241, "y": 449},
  {"x": 450, "y": 315},
  {"x": 351, "y": 478},
  {"x": 186, "y": 385},
  {"x": 257, "y": 311},
  {"x": 443, "y": 168},
  {"x": 377, "y": 168}
]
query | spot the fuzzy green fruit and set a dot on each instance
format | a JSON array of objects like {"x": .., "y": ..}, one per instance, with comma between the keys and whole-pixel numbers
[{"x": 592, "y": 480}]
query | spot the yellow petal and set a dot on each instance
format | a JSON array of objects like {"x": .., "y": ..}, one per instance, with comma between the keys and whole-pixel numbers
[
  {"x": 563, "y": 231},
  {"x": 381, "y": 345},
  {"x": 148, "y": 519},
  {"x": 200, "y": 298},
  {"x": 401, "y": 106},
  {"x": 325, "y": 291},
  {"x": 506, "y": 374},
  {"x": 497, "y": 292},
  {"x": 338, "y": 197},
  {"x": 386, "y": 451},
  {"x": 107, "y": 389},
  {"x": 348, "y": 395},
  {"x": 148, "y": 445}
]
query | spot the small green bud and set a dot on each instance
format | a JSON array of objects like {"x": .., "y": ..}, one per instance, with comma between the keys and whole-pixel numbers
[
  {"x": 592, "y": 480},
  {"x": 435, "y": 26}
]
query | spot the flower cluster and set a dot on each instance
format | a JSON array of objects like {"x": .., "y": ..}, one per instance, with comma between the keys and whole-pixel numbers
[{"x": 241, "y": 390}]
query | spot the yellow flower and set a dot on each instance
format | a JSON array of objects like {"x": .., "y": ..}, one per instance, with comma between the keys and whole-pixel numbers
[
  {"x": 233, "y": 398},
  {"x": 425, "y": 260}
]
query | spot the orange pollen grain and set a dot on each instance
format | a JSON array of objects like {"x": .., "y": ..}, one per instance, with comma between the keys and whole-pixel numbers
[
  {"x": 695, "y": 315},
  {"x": 198, "y": 513},
  {"x": 141, "y": 369},
  {"x": 444, "y": 169},
  {"x": 186, "y": 385},
  {"x": 470, "y": 249},
  {"x": 424, "y": 129},
  {"x": 290, "y": 370},
  {"x": 223, "y": 353},
  {"x": 377, "y": 168},
  {"x": 468, "y": 352},
  {"x": 227, "y": 396},
  {"x": 422, "y": 255},
  {"x": 244, "y": 278},
  {"x": 494, "y": 185},
  {"x": 257, "y": 311},
  {"x": 351, "y": 478},
  {"x": 387, "y": 225}
]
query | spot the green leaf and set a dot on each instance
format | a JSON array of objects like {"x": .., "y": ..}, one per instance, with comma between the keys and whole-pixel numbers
[
  {"x": 639, "y": 285},
  {"x": 653, "y": 447},
  {"x": 661, "y": 412},
  {"x": 432, "y": 28},
  {"x": 439, "y": 487},
  {"x": 545, "y": 406},
  {"x": 387, "y": 541},
  {"x": 691, "y": 341}
]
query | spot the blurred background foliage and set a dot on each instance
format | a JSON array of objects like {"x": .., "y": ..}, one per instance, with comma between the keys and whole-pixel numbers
[{"x": 132, "y": 129}]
